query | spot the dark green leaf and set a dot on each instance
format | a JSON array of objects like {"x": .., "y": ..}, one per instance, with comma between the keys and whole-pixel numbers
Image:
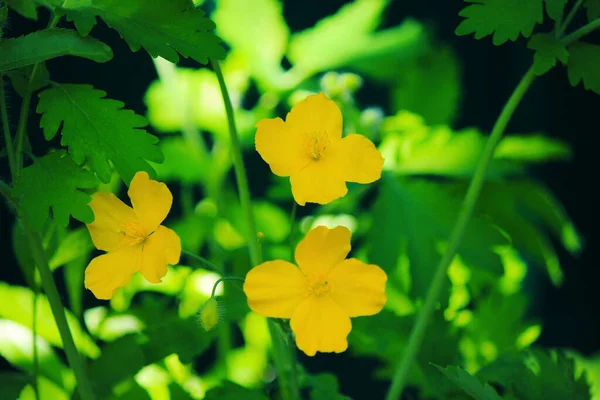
[
  {"x": 547, "y": 51},
  {"x": 98, "y": 130},
  {"x": 325, "y": 387},
  {"x": 12, "y": 383},
  {"x": 22, "y": 253},
  {"x": 47, "y": 44},
  {"x": 556, "y": 9},
  {"x": 505, "y": 19},
  {"x": 3, "y": 16},
  {"x": 74, "y": 274},
  {"x": 469, "y": 384},
  {"x": 20, "y": 78},
  {"x": 54, "y": 181},
  {"x": 27, "y": 8},
  {"x": 583, "y": 64},
  {"x": 593, "y": 9},
  {"x": 232, "y": 391},
  {"x": 163, "y": 28},
  {"x": 73, "y": 245}
]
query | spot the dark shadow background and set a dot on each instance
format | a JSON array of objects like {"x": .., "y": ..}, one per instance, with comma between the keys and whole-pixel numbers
[{"x": 490, "y": 73}]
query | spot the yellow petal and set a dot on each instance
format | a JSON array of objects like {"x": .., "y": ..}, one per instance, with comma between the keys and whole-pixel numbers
[
  {"x": 315, "y": 114},
  {"x": 161, "y": 248},
  {"x": 357, "y": 287},
  {"x": 322, "y": 249},
  {"x": 110, "y": 271},
  {"x": 319, "y": 182},
  {"x": 357, "y": 159},
  {"x": 275, "y": 288},
  {"x": 111, "y": 216},
  {"x": 280, "y": 147},
  {"x": 151, "y": 200},
  {"x": 320, "y": 324}
]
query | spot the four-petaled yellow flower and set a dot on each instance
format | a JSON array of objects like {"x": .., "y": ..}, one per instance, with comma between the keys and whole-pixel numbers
[
  {"x": 309, "y": 148},
  {"x": 133, "y": 237},
  {"x": 321, "y": 294}
]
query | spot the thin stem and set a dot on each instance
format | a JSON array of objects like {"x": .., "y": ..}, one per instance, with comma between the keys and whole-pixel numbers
[
  {"x": 281, "y": 356},
  {"x": 238, "y": 165},
  {"x": 225, "y": 278},
  {"x": 561, "y": 30},
  {"x": 466, "y": 211},
  {"x": 73, "y": 357},
  {"x": 581, "y": 32},
  {"x": 203, "y": 261},
  {"x": 24, "y": 114},
  {"x": 6, "y": 130}
]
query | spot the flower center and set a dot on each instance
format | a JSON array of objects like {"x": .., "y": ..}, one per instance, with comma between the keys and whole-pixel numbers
[
  {"x": 318, "y": 286},
  {"x": 315, "y": 144},
  {"x": 132, "y": 233}
]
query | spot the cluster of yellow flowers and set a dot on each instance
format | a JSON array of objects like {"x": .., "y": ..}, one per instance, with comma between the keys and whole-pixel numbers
[{"x": 324, "y": 291}]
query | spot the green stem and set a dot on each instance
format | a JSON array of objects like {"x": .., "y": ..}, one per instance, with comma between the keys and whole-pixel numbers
[
  {"x": 225, "y": 278},
  {"x": 24, "y": 115},
  {"x": 6, "y": 130},
  {"x": 466, "y": 211},
  {"x": 203, "y": 261},
  {"x": 238, "y": 166},
  {"x": 281, "y": 356},
  {"x": 581, "y": 32},
  {"x": 561, "y": 30},
  {"x": 73, "y": 357}
]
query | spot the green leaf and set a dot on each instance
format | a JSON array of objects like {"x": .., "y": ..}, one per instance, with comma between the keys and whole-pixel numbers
[
  {"x": 22, "y": 253},
  {"x": 16, "y": 346},
  {"x": 20, "y": 78},
  {"x": 547, "y": 51},
  {"x": 430, "y": 87},
  {"x": 583, "y": 61},
  {"x": 532, "y": 149},
  {"x": 48, "y": 44},
  {"x": 232, "y": 391},
  {"x": 183, "y": 162},
  {"x": 421, "y": 214},
  {"x": 16, "y": 305},
  {"x": 255, "y": 29},
  {"x": 505, "y": 19},
  {"x": 98, "y": 130},
  {"x": 556, "y": 9},
  {"x": 163, "y": 28},
  {"x": 53, "y": 181},
  {"x": 593, "y": 9},
  {"x": 469, "y": 384},
  {"x": 12, "y": 383},
  {"x": 325, "y": 387},
  {"x": 28, "y": 8},
  {"x": 73, "y": 245}
]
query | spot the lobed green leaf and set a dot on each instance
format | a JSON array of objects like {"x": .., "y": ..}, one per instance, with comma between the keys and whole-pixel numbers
[
  {"x": 547, "y": 51},
  {"x": 469, "y": 384},
  {"x": 583, "y": 65}
]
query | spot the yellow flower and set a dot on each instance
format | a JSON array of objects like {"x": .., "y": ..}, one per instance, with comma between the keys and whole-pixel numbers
[
  {"x": 321, "y": 294},
  {"x": 133, "y": 237},
  {"x": 309, "y": 148}
]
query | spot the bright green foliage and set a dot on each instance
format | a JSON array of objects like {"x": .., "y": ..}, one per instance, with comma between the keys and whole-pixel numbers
[
  {"x": 593, "y": 9},
  {"x": 556, "y": 9},
  {"x": 20, "y": 78},
  {"x": 11, "y": 384},
  {"x": 325, "y": 387},
  {"x": 532, "y": 149},
  {"x": 505, "y": 19},
  {"x": 469, "y": 384},
  {"x": 583, "y": 65},
  {"x": 60, "y": 180},
  {"x": 537, "y": 374},
  {"x": 421, "y": 214},
  {"x": 16, "y": 346},
  {"x": 15, "y": 305},
  {"x": 163, "y": 28},
  {"x": 98, "y": 130},
  {"x": 47, "y": 44},
  {"x": 547, "y": 51},
  {"x": 430, "y": 87},
  {"x": 232, "y": 391},
  {"x": 183, "y": 162},
  {"x": 263, "y": 39}
]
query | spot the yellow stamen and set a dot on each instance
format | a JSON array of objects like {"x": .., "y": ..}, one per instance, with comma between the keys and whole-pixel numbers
[{"x": 132, "y": 233}]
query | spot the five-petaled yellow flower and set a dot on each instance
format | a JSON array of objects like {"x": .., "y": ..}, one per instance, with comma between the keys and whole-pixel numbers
[
  {"x": 321, "y": 294},
  {"x": 133, "y": 237},
  {"x": 309, "y": 148}
]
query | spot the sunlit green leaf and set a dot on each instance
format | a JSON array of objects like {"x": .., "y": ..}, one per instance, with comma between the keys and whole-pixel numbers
[
  {"x": 430, "y": 87},
  {"x": 548, "y": 51},
  {"x": 593, "y": 9},
  {"x": 16, "y": 304},
  {"x": 183, "y": 162},
  {"x": 16, "y": 346},
  {"x": 469, "y": 384},
  {"x": 532, "y": 149},
  {"x": 505, "y": 19},
  {"x": 231, "y": 391},
  {"x": 60, "y": 180},
  {"x": 12, "y": 383},
  {"x": 46, "y": 389},
  {"x": 97, "y": 130},
  {"x": 162, "y": 28},
  {"x": 590, "y": 366},
  {"x": 556, "y": 9},
  {"x": 47, "y": 44},
  {"x": 583, "y": 57}
]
